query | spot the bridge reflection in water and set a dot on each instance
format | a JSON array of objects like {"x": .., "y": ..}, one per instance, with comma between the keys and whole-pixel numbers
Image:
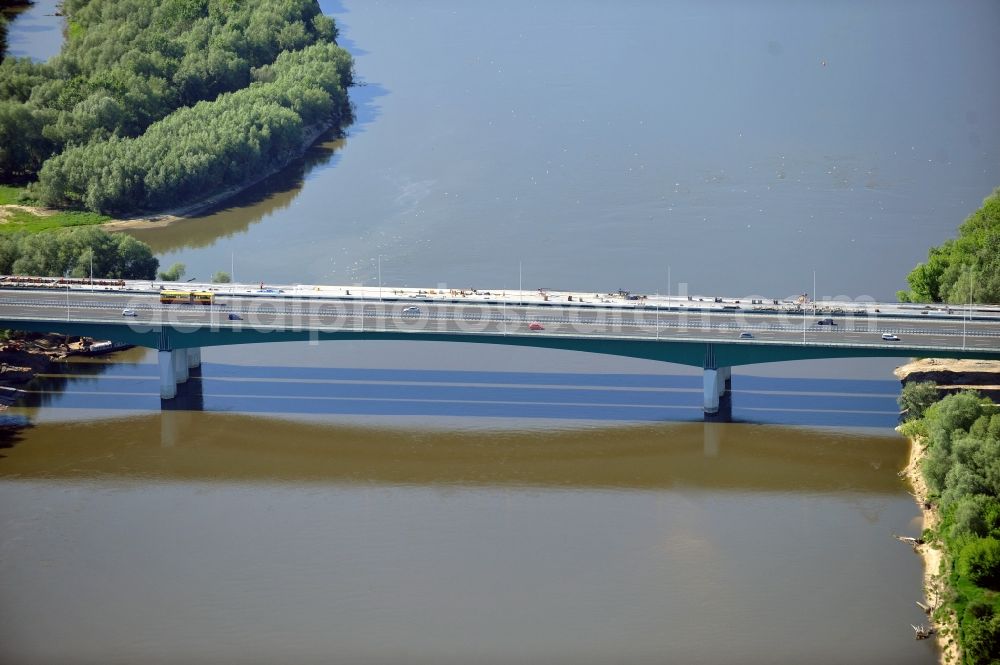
[
  {"x": 202, "y": 446},
  {"x": 427, "y": 397}
]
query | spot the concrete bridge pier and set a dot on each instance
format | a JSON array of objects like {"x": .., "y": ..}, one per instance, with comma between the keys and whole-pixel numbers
[
  {"x": 716, "y": 381},
  {"x": 180, "y": 365},
  {"x": 168, "y": 374},
  {"x": 175, "y": 366}
]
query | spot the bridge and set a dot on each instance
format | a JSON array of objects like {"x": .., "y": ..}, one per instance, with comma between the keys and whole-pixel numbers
[{"x": 713, "y": 333}]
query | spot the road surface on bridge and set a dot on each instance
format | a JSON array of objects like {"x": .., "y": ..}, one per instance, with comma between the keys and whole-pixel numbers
[{"x": 628, "y": 320}]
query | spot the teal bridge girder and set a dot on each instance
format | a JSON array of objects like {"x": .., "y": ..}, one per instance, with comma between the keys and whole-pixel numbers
[
  {"x": 703, "y": 353},
  {"x": 715, "y": 357}
]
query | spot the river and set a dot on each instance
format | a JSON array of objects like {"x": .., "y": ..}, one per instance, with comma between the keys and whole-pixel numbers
[{"x": 373, "y": 502}]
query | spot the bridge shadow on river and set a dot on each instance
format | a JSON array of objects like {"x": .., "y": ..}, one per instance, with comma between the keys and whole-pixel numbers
[{"x": 508, "y": 396}]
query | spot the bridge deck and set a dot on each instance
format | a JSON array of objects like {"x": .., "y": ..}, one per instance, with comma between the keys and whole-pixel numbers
[{"x": 714, "y": 334}]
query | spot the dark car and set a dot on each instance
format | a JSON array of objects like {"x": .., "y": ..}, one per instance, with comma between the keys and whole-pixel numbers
[
  {"x": 826, "y": 322},
  {"x": 233, "y": 316}
]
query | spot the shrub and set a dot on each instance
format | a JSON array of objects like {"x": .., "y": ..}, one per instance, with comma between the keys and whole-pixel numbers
[
  {"x": 981, "y": 634},
  {"x": 173, "y": 273},
  {"x": 979, "y": 562},
  {"x": 976, "y": 516},
  {"x": 917, "y": 397}
]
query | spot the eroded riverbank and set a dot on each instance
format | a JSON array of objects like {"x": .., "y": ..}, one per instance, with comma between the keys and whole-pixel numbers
[{"x": 944, "y": 622}]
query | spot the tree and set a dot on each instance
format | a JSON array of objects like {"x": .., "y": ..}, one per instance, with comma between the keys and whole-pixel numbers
[
  {"x": 135, "y": 259},
  {"x": 980, "y": 634},
  {"x": 173, "y": 273},
  {"x": 221, "y": 278},
  {"x": 955, "y": 412},
  {"x": 74, "y": 251},
  {"x": 962, "y": 465},
  {"x": 916, "y": 397},
  {"x": 977, "y": 515},
  {"x": 979, "y": 561},
  {"x": 963, "y": 268},
  {"x": 22, "y": 144},
  {"x": 211, "y": 145},
  {"x": 97, "y": 124}
]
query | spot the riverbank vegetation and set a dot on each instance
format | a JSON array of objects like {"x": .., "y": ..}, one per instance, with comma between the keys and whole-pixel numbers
[
  {"x": 964, "y": 269},
  {"x": 80, "y": 252},
  {"x": 153, "y": 104},
  {"x": 20, "y": 213},
  {"x": 961, "y": 466}
]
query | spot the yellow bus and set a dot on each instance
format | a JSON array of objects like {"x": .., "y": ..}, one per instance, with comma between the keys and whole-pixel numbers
[{"x": 187, "y": 297}]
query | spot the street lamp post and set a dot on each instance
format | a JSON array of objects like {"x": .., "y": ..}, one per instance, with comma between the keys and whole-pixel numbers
[
  {"x": 380, "y": 278},
  {"x": 970, "y": 308},
  {"x": 503, "y": 315},
  {"x": 520, "y": 293}
]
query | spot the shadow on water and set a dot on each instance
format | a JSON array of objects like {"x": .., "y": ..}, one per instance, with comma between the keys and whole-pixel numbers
[
  {"x": 44, "y": 389},
  {"x": 508, "y": 396},
  {"x": 364, "y": 93},
  {"x": 189, "y": 394},
  {"x": 236, "y": 214},
  {"x": 364, "y": 106},
  {"x": 336, "y": 10},
  {"x": 272, "y": 194},
  {"x": 12, "y": 428}
]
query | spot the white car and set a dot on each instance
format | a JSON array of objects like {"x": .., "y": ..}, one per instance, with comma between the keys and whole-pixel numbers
[
  {"x": 129, "y": 312},
  {"x": 411, "y": 310},
  {"x": 889, "y": 337}
]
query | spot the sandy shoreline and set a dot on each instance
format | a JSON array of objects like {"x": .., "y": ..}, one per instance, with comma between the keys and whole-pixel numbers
[{"x": 935, "y": 572}]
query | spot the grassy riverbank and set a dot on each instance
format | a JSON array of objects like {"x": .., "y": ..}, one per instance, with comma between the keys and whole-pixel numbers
[{"x": 18, "y": 213}]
